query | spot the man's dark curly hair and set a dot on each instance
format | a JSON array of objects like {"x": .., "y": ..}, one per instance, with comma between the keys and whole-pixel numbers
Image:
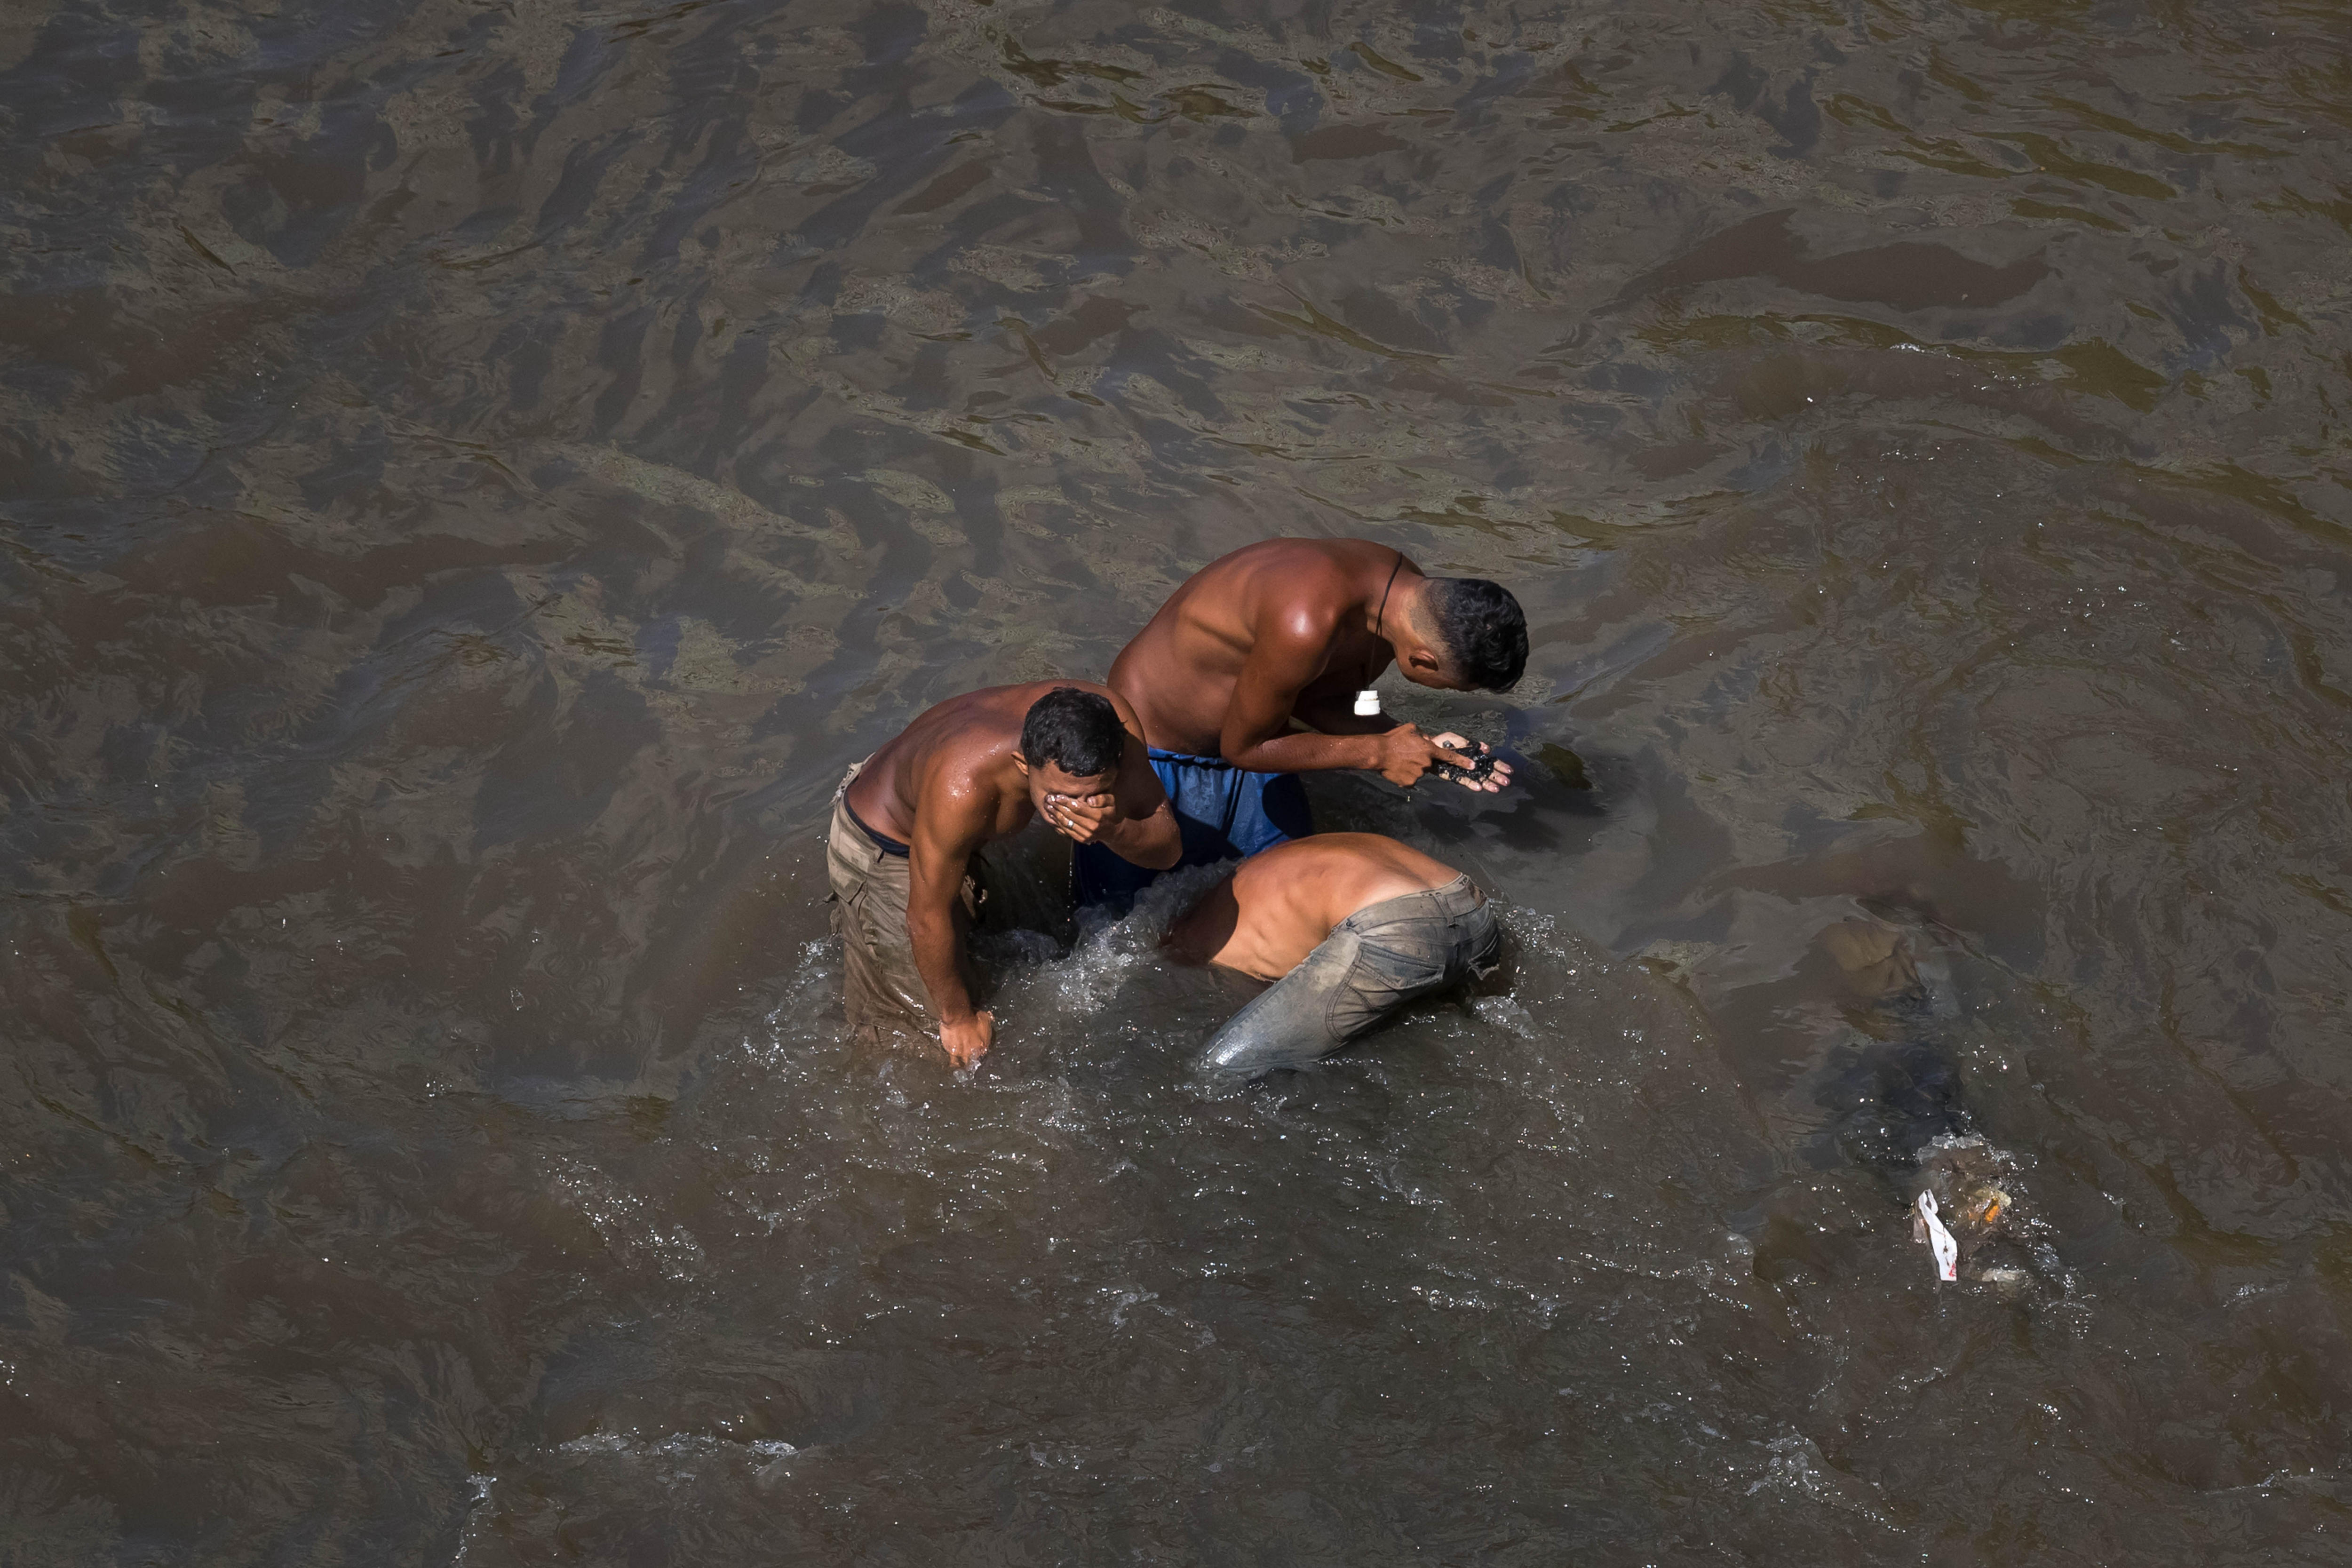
[
  {"x": 1480, "y": 629},
  {"x": 1077, "y": 729}
]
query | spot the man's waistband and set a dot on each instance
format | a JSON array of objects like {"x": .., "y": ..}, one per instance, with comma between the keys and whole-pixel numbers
[
  {"x": 882, "y": 841},
  {"x": 1208, "y": 764},
  {"x": 1190, "y": 759},
  {"x": 1457, "y": 897}
]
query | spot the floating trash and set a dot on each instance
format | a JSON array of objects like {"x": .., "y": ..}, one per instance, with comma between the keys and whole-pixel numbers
[{"x": 1947, "y": 1250}]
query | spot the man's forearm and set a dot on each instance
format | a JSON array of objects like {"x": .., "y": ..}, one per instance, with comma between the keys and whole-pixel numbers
[
  {"x": 940, "y": 961},
  {"x": 1153, "y": 842},
  {"x": 1339, "y": 719},
  {"x": 1303, "y": 752}
]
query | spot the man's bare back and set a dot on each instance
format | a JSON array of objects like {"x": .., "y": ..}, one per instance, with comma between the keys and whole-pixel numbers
[
  {"x": 1294, "y": 629},
  {"x": 1349, "y": 927},
  {"x": 959, "y": 756},
  {"x": 1278, "y": 905}
]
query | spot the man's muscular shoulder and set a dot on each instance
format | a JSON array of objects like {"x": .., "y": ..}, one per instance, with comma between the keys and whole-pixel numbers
[
  {"x": 957, "y": 801},
  {"x": 963, "y": 736},
  {"x": 1127, "y": 715},
  {"x": 1299, "y": 593}
]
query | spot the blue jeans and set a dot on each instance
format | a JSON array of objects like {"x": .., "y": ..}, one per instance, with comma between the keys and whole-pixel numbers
[{"x": 1223, "y": 811}]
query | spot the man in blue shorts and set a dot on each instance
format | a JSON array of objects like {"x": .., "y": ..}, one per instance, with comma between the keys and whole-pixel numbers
[{"x": 1292, "y": 629}]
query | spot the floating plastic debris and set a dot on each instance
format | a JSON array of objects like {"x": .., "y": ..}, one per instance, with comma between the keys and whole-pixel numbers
[{"x": 1947, "y": 1251}]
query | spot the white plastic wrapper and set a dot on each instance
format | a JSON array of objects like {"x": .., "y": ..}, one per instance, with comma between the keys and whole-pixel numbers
[{"x": 1947, "y": 1250}]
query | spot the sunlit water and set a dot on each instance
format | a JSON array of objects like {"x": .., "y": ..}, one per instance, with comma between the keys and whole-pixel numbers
[{"x": 473, "y": 476}]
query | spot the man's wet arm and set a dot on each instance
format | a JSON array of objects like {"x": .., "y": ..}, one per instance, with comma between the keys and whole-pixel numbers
[
  {"x": 1307, "y": 752},
  {"x": 1266, "y": 698},
  {"x": 930, "y": 929},
  {"x": 1338, "y": 716},
  {"x": 1140, "y": 794},
  {"x": 939, "y": 855}
]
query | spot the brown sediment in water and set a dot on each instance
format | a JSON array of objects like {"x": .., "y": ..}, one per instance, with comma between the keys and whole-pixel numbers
[{"x": 471, "y": 480}]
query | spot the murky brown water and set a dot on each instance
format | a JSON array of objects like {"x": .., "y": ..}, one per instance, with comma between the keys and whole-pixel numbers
[{"x": 475, "y": 474}]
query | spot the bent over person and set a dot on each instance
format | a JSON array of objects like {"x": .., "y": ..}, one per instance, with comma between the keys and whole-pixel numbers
[
  {"x": 1349, "y": 926},
  {"x": 1291, "y": 630},
  {"x": 907, "y": 820}
]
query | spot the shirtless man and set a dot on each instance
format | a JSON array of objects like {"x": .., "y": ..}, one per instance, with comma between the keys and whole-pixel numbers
[
  {"x": 1292, "y": 629},
  {"x": 907, "y": 820},
  {"x": 1349, "y": 926}
]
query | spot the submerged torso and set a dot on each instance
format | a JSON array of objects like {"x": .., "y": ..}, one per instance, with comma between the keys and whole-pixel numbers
[{"x": 1291, "y": 897}]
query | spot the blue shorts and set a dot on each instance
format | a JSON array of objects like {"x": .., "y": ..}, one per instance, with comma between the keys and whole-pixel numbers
[{"x": 1223, "y": 811}]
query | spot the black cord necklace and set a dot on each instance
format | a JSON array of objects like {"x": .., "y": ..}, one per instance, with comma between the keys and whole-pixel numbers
[{"x": 1383, "y": 615}]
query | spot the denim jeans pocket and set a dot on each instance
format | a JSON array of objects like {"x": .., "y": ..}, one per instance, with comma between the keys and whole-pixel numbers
[{"x": 1381, "y": 980}]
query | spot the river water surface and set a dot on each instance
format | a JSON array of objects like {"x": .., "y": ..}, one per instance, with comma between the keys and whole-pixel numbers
[{"x": 473, "y": 474}]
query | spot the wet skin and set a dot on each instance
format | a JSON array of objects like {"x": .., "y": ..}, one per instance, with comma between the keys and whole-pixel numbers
[
  {"x": 954, "y": 779},
  {"x": 1293, "y": 628},
  {"x": 1280, "y": 904}
]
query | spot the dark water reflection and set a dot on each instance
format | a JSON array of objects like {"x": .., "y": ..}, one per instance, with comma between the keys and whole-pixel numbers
[{"x": 475, "y": 474}]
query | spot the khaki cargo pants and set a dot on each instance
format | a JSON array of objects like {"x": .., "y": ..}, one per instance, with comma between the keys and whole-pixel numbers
[{"x": 882, "y": 991}]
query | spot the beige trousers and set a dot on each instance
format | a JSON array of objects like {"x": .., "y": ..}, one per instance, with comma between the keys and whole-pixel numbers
[{"x": 882, "y": 991}]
